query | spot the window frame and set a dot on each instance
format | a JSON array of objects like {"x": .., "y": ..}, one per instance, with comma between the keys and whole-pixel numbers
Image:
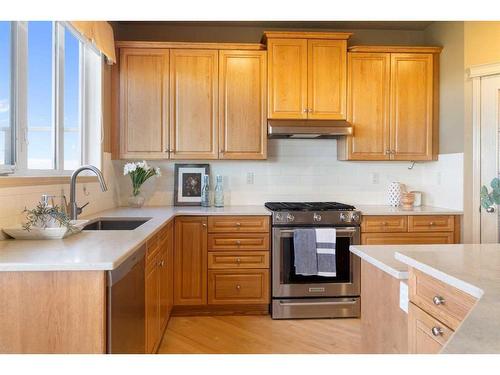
[{"x": 87, "y": 103}]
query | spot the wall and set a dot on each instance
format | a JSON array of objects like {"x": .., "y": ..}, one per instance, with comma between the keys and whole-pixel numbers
[
  {"x": 14, "y": 199},
  {"x": 451, "y": 98},
  {"x": 180, "y": 32},
  {"x": 309, "y": 170},
  {"x": 481, "y": 46}
]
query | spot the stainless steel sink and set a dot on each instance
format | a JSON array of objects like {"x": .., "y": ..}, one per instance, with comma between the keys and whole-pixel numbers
[{"x": 112, "y": 223}]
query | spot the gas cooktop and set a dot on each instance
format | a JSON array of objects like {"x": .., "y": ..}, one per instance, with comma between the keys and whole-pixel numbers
[{"x": 308, "y": 206}]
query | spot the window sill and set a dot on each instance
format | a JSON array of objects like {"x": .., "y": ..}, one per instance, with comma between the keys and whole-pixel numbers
[{"x": 14, "y": 181}]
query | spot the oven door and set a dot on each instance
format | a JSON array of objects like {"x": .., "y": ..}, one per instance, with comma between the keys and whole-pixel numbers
[{"x": 287, "y": 284}]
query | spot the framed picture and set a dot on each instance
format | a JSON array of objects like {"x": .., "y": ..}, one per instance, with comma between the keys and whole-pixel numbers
[{"x": 187, "y": 183}]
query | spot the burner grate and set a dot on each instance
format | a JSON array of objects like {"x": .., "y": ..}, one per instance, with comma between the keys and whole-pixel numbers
[{"x": 308, "y": 206}]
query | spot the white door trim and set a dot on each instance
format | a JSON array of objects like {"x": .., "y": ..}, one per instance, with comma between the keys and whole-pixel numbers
[
  {"x": 476, "y": 73},
  {"x": 476, "y": 159}
]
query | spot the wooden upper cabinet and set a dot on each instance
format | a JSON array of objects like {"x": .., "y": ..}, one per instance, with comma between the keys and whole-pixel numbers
[
  {"x": 412, "y": 106},
  {"x": 287, "y": 80},
  {"x": 393, "y": 95},
  {"x": 242, "y": 105},
  {"x": 193, "y": 104},
  {"x": 190, "y": 261},
  {"x": 368, "y": 106},
  {"x": 326, "y": 77},
  {"x": 307, "y": 75},
  {"x": 144, "y": 103}
]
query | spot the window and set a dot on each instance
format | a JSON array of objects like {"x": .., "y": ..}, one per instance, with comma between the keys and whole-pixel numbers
[
  {"x": 5, "y": 95},
  {"x": 51, "y": 79}
]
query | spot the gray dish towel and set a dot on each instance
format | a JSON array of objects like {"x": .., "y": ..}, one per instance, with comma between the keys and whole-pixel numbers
[
  {"x": 304, "y": 247},
  {"x": 325, "y": 250}
]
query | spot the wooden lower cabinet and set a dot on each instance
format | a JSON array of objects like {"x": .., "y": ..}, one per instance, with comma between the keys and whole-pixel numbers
[
  {"x": 238, "y": 286},
  {"x": 410, "y": 229},
  {"x": 159, "y": 285},
  {"x": 221, "y": 265},
  {"x": 426, "y": 335}
]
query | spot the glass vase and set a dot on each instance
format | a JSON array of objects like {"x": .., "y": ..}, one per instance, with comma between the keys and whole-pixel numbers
[{"x": 136, "y": 201}]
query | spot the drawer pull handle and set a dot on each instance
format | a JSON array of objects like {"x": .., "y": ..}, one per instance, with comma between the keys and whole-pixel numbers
[
  {"x": 238, "y": 286},
  {"x": 438, "y": 300},
  {"x": 437, "y": 331}
]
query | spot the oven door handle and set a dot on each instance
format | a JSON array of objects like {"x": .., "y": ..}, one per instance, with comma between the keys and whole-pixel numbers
[
  {"x": 341, "y": 231},
  {"x": 323, "y": 303}
]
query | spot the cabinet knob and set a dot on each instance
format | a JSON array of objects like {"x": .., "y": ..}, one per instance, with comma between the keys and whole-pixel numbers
[
  {"x": 305, "y": 110},
  {"x": 238, "y": 286},
  {"x": 204, "y": 225},
  {"x": 438, "y": 300},
  {"x": 432, "y": 223},
  {"x": 171, "y": 150},
  {"x": 387, "y": 152},
  {"x": 437, "y": 331},
  {"x": 238, "y": 224},
  {"x": 238, "y": 242},
  {"x": 238, "y": 260},
  {"x": 162, "y": 263},
  {"x": 384, "y": 223}
]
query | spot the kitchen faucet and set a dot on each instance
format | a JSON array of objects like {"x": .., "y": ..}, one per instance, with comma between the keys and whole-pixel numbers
[{"x": 74, "y": 210}]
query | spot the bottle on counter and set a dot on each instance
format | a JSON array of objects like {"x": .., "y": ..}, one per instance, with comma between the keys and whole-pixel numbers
[
  {"x": 205, "y": 191},
  {"x": 219, "y": 192}
]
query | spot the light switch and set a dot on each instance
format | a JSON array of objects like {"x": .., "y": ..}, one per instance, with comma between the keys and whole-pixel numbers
[{"x": 250, "y": 178}]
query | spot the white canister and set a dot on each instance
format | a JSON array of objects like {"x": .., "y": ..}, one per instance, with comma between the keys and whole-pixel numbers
[
  {"x": 418, "y": 198},
  {"x": 394, "y": 193}
]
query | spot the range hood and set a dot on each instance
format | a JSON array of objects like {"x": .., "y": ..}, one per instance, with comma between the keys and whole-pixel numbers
[{"x": 308, "y": 129}]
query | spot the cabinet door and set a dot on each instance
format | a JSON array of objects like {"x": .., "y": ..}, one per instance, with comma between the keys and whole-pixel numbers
[
  {"x": 242, "y": 104},
  {"x": 152, "y": 305},
  {"x": 193, "y": 104},
  {"x": 164, "y": 283},
  {"x": 170, "y": 268},
  {"x": 144, "y": 103},
  {"x": 287, "y": 80},
  {"x": 327, "y": 76},
  {"x": 426, "y": 335},
  {"x": 368, "y": 106},
  {"x": 190, "y": 261},
  {"x": 412, "y": 106}
]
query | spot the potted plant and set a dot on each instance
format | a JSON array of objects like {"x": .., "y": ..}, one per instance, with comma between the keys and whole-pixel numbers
[{"x": 139, "y": 173}]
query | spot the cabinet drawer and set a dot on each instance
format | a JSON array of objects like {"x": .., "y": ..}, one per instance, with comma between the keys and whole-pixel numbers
[
  {"x": 247, "y": 259},
  {"x": 431, "y": 223},
  {"x": 407, "y": 238},
  {"x": 222, "y": 242},
  {"x": 238, "y": 286},
  {"x": 426, "y": 335},
  {"x": 244, "y": 224},
  {"x": 381, "y": 224},
  {"x": 441, "y": 300}
]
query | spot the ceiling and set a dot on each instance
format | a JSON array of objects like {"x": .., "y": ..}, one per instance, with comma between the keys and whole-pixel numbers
[{"x": 335, "y": 25}]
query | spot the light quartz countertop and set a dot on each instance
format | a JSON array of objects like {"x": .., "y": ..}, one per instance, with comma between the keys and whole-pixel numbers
[
  {"x": 373, "y": 210},
  {"x": 474, "y": 269},
  {"x": 101, "y": 250},
  {"x": 382, "y": 257}
]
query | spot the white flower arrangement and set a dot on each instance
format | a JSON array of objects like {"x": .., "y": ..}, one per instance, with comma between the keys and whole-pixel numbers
[{"x": 139, "y": 173}]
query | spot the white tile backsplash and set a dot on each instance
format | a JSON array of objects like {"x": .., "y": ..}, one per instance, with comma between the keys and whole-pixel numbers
[{"x": 298, "y": 169}]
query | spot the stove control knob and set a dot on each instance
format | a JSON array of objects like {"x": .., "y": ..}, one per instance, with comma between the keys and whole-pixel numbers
[
  {"x": 355, "y": 216},
  {"x": 290, "y": 217},
  {"x": 279, "y": 217},
  {"x": 343, "y": 217},
  {"x": 316, "y": 217}
]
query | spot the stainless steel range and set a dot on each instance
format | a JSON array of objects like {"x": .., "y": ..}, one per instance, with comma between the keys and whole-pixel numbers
[{"x": 298, "y": 296}]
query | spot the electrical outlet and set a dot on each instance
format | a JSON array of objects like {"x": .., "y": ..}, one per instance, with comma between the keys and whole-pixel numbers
[
  {"x": 250, "y": 178},
  {"x": 375, "y": 178}
]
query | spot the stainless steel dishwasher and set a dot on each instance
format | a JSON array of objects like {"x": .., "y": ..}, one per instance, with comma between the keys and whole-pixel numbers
[{"x": 126, "y": 306}]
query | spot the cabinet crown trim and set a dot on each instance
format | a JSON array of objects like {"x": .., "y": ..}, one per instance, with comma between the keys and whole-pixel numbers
[
  {"x": 396, "y": 49},
  {"x": 304, "y": 35},
  {"x": 189, "y": 45}
]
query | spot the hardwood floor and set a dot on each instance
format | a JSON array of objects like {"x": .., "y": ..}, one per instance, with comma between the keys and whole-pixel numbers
[{"x": 260, "y": 335}]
